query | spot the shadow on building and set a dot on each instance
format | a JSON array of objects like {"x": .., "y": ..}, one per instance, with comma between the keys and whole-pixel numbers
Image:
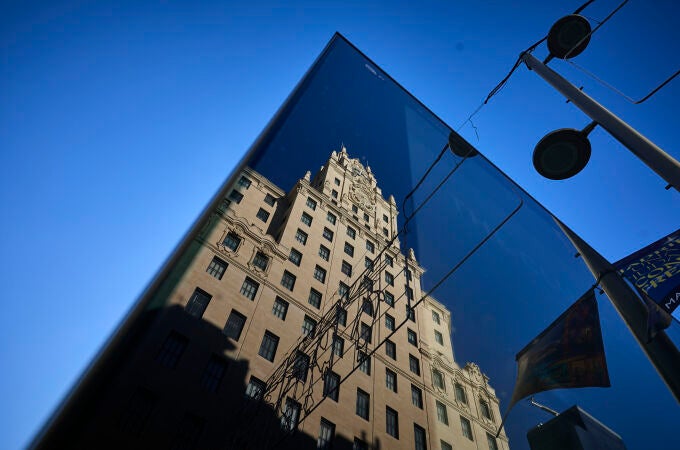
[{"x": 170, "y": 385}]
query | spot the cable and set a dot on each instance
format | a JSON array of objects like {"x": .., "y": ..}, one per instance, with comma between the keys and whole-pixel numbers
[
  {"x": 617, "y": 91},
  {"x": 621, "y": 5}
]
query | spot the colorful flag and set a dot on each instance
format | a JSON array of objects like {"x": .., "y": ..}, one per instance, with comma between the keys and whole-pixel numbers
[{"x": 567, "y": 354}]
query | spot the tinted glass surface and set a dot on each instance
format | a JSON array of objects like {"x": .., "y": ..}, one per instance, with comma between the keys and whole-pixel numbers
[{"x": 493, "y": 256}]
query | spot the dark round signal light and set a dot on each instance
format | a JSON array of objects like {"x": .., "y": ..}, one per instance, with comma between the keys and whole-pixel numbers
[
  {"x": 569, "y": 36},
  {"x": 461, "y": 147},
  {"x": 562, "y": 154}
]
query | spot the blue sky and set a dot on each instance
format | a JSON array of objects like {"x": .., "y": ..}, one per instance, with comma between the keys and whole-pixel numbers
[{"x": 118, "y": 123}]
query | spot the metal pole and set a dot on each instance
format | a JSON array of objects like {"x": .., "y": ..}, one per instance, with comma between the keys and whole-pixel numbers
[
  {"x": 656, "y": 159},
  {"x": 661, "y": 351}
]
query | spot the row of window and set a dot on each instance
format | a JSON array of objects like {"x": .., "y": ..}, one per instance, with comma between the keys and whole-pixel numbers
[
  {"x": 172, "y": 350},
  {"x": 332, "y": 218}
]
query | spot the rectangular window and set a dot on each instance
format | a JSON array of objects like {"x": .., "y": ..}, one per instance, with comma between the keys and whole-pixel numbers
[
  {"x": 263, "y": 215},
  {"x": 280, "y": 308},
  {"x": 346, "y": 268},
  {"x": 269, "y": 199},
  {"x": 368, "y": 263},
  {"x": 389, "y": 261},
  {"x": 389, "y": 298},
  {"x": 255, "y": 388},
  {"x": 314, "y": 298},
  {"x": 417, "y": 397},
  {"x": 442, "y": 414},
  {"x": 270, "y": 343},
  {"x": 391, "y": 349},
  {"x": 337, "y": 182},
  {"x": 366, "y": 333},
  {"x": 331, "y": 386},
  {"x": 412, "y": 337},
  {"x": 249, "y": 288},
  {"x": 491, "y": 440},
  {"x": 308, "y": 326},
  {"x": 389, "y": 278},
  {"x": 288, "y": 280},
  {"x": 359, "y": 444},
  {"x": 232, "y": 241},
  {"x": 311, "y": 203},
  {"x": 355, "y": 209},
  {"x": 172, "y": 350},
  {"x": 366, "y": 217},
  {"x": 328, "y": 234},
  {"x": 392, "y": 425},
  {"x": 445, "y": 445},
  {"x": 343, "y": 290},
  {"x": 244, "y": 182},
  {"x": 217, "y": 268},
  {"x": 334, "y": 193},
  {"x": 389, "y": 322},
  {"x": 408, "y": 274},
  {"x": 341, "y": 315},
  {"x": 367, "y": 306},
  {"x": 390, "y": 380},
  {"x": 351, "y": 232},
  {"x": 438, "y": 379},
  {"x": 414, "y": 364},
  {"x": 198, "y": 303},
  {"x": 138, "y": 410},
  {"x": 306, "y": 219},
  {"x": 324, "y": 253},
  {"x": 364, "y": 363},
  {"x": 438, "y": 337},
  {"x": 261, "y": 261},
  {"x": 331, "y": 218},
  {"x": 363, "y": 402},
  {"x": 236, "y": 196},
  {"x": 419, "y": 437},
  {"x": 338, "y": 345},
  {"x": 349, "y": 249},
  {"x": 466, "y": 427},
  {"x": 460, "y": 393},
  {"x": 320, "y": 274},
  {"x": 410, "y": 313},
  {"x": 385, "y": 218},
  {"x": 370, "y": 246},
  {"x": 367, "y": 284},
  {"x": 295, "y": 257},
  {"x": 213, "y": 373},
  {"x": 435, "y": 317},
  {"x": 484, "y": 408},
  {"x": 326, "y": 433},
  {"x": 301, "y": 366},
  {"x": 301, "y": 236},
  {"x": 291, "y": 414},
  {"x": 234, "y": 325}
]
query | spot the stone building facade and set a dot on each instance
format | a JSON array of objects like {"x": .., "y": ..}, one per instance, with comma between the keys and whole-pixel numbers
[{"x": 291, "y": 312}]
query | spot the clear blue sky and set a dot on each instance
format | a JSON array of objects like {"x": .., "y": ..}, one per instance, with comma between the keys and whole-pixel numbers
[{"x": 118, "y": 122}]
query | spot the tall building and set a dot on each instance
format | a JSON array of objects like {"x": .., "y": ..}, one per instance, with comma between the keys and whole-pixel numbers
[{"x": 287, "y": 325}]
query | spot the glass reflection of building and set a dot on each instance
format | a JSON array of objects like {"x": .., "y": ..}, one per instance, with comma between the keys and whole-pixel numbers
[
  {"x": 261, "y": 275},
  {"x": 274, "y": 262}
]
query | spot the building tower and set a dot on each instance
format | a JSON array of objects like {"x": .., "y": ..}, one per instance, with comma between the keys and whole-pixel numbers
[{"x": 287, "y": 325}]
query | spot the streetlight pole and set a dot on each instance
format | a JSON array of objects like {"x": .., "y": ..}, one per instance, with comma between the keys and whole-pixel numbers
[
  {"x": 659, "y": 161},
  {"x": 661, "y": 351}
]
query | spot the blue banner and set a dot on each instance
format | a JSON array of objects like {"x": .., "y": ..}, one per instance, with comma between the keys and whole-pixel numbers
[{"x": 655, "y": 271}]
